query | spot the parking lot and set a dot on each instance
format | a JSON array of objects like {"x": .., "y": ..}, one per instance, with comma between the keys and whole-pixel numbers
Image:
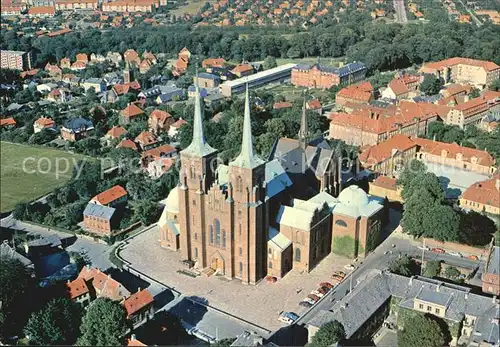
[{"x": 260, "y": 304}]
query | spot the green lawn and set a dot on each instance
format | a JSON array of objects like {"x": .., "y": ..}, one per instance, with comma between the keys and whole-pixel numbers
[{"x": 39, "y": 175}]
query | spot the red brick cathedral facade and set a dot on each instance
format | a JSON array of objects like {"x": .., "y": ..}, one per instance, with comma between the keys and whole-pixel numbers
[{"x": 227, "y": 218}]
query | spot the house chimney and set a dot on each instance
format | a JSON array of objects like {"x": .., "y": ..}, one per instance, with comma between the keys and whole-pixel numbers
[
  {"x": 132, "y": 337},
  {"x": 138, "y": 289}
]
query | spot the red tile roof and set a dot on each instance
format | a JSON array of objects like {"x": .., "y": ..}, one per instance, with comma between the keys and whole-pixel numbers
[
  {"x": 400, "y": 85},
  {"x": 361, "y": 92},
  {"x": 455, "y": 88},
  {"x": 50, "y": 10},
  {"x": 131, "y": 55},
  {"x": 110, "y": 195},
  {"x": 133, "y": 342},
  {"x": 385, "y": 182},
  {"x": 131, "y": 111},
  {"x": 385, "y": 150},
  {"x": 484, "y": 192},
  {"x": 32, "y": 72},
  {"x": 137, "y": 301},
  {"x": 178, "y": 123},
  {"x": 314, "y": 104},
  {"x": 77, "y": 288},
  {"x": 116, "y": 131},
  {"x": 105, "y": 286},
  {"x": 242, "y": 68},
  {"x": 487, "y": 65},
  {"x": 280, "y": 105},
  {"x": 145, "y": 138},
  {"x": 7, "y": 122},
  {"x": 126, "y": 143},
  {"x": 158, "y": 152},
  {"x": 121, "y": 89},
  {"x": 452, "y": 149},
  {"x": 213, "y": 62},
  {"x": 45, "y": 122},
  {"x": 159, "y": 115}
]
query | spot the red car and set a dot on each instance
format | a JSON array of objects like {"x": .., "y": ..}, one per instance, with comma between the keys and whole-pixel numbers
[
  {"x": 326, "y": 284},
  {"x": 472, "y": 257},
  {"x": 323, "y": 290},
  {"x": 438, "y": 250},
  {"x": 271, "y": 279}
]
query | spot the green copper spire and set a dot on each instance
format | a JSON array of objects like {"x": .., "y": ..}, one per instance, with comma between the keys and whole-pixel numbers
[
  {"x": 199, "y": 146},
  {"x": 247, "y": 158}
]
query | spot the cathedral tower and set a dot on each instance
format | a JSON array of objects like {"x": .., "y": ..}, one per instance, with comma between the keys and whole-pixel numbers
[{"x": 247, "y": 177}]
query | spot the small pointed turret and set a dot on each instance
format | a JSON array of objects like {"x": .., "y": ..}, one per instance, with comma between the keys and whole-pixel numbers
[
  {"x": 247, "y": 158},
  {"x": 304, "y": 129},
  {"x": 199, "y": 146}
]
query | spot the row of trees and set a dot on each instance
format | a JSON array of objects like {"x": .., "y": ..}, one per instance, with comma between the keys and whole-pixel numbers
[
  {"x": 427, "y": 213},
  {"x": 381, "y": 46}
]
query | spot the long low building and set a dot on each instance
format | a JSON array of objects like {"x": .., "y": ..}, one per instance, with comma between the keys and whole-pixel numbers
[{"x": 272, "y": 75}]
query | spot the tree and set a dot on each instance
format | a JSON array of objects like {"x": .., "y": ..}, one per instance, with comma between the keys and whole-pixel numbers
[
  {"x": 166, "y": 329},
  {"x": 410, "y": 171},
  {"x": 452, "y": 273},
  {"x": 269, "y": 63},
  {"x": 432, "y": 268},
  {"x": 104, "y": 324},
  {"x": 329, "y": 334},
  {"x": 420, "y": 330},
  {"x": 56, "y": 324},
  {"x": 146, "y": 211},
  {"x": 495, "y": 85},
  {"x": 428, "y": 181},
  {"x": 416, "y": 210},
  {"x": 404, "y": 266},
  {"x": 430, "y": 85},
  {"x": 475, "y": 229},
  {"x": 442, "y": 223},
  {"x": 475, "y": 93},
  {"x": 17, "y": 287}
]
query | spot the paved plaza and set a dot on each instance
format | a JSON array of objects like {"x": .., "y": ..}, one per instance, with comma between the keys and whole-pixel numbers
[{"x": 260, "y": 304}]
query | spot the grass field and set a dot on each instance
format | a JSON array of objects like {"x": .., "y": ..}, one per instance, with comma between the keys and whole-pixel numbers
[
  {"x": 191, "y": 7},
  {"x": 39, "y": 175}
]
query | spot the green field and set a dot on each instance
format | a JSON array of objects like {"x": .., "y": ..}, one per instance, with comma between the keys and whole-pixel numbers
[
  {"x": 191, "y": 7},
  {"x": 39, "y": 175}
]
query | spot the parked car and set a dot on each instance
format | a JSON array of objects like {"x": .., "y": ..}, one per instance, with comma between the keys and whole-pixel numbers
[
  {"x": 313, "y": 297},
  {"x": 438, "y": 250},
  {"x": 323, "y": 290},
  {"x": 271, "y": 279},
  {"x": 423, "y": 248},
  {"x": 455, "y": 254},
  {"x": 472, "y": 257},
  {"x": 337, "y": 278},
  {"x": 339, "y": 273},
  {"x": 317, "y": 293},
  {"x": 288, "y": 317},
  {"x": 306, "y": 304},
  {"x": 349, "y": 267},
  {"x": 309, "y": 300},
  {"x": 326, "y": 284}
]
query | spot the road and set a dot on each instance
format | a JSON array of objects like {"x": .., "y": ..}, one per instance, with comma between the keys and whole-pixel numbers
[
  {"x": 472, "y": 14},
  {"x": 379, "y": 260},
  {"x": 399, "y": 7},
  {"x": 98, "y": 253}
]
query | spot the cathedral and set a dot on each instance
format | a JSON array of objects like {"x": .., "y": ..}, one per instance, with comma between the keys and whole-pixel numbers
[{"x": 254, "y": 218}]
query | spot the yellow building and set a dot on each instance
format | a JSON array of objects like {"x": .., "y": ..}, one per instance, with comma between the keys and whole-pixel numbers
[{"x": 483, "y": 196}]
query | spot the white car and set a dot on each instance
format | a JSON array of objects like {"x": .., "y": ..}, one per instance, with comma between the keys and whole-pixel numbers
[
  {"x": 423, "y": 248},
  {"x": 318, "y": 294},
  {"x": 455, "y": 254},
  {"x": 349, "y": 267},
  {"x": 309, "y": 300}
]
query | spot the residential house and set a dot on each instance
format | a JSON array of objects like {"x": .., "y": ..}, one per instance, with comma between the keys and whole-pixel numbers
[
  {"x": 160, "y": 121},
  {"x": 213, "y": 99},
  {"x": 192, "y": 92},
  {"x": 132, "y": 57},
  {"x": 139, "y": 306},
  {"x": 130, "y": 113},
  {"x": 112, "y": 197},
  {"x": 185, "y": 53},
  {"x": 100, "y": 220},
  {"x": 121, "y": 89},
  {"x": 53, "y": 70},
  {"x": 146, "y": 140},
  {"x": 102, "y": 285},
  {"x": 116, "y": 132},
  {"x": 473, "y": 111},
  {"x": 62, "y": 5},
  {"x": 155, "y": 153},
  {"x": 174, "y": 128},
  {"x": 79, "y": 292},
  {"x": 78, "y": 66},
  {"x": 65, "y": 63},
  {"x": 83, "y": 57},
  {"x": 357, "y": 93},
  {"x": 76, "y": 129},
  {"x": 491, "y": 274},
  {"x": 314, "y": 105},
  {"x": 480, "y": 73},
  {"x": 7, "y": 123},
  {"x": 29, "y": 74},
  {"x": 41, "y": 11},
  {"x": 281, "y": 105},
  {"x": 158, "y": 167},
  {"x": 242, "y": 70},
  {"x": 207, "y": 80},
  {"x": 59, "y": 95},
  {"x": 43, "y": 123},
  {"x": 46, "y": 87},
  {"x": 127, "y": 143},
  {"x": 213, "y": 62},
  {"x": 483, "y": 196}
]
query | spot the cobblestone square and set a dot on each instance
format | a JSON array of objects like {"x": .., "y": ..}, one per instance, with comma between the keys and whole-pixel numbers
[{"x": 260, "y": 304}]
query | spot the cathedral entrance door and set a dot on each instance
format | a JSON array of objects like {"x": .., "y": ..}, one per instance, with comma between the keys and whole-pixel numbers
[{"x": 217, "y": 263}]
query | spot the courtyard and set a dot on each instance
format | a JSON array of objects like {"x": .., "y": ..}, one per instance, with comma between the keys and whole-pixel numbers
[{"x": 260, "y": 304}]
